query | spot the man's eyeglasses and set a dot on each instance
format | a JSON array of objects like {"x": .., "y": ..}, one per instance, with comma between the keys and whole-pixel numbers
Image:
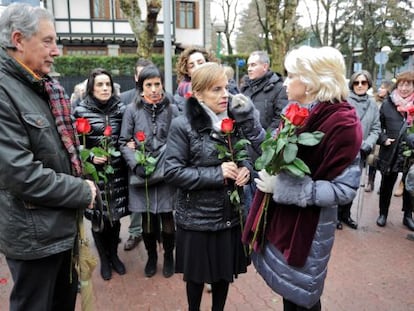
[{"x": 363, "y": 83}]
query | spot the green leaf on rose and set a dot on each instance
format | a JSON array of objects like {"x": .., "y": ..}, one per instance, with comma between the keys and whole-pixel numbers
[
  {"x": 301, "y": 165},
  {"x": 294, "y": 170},
  {"x": 290, "y": 152},
  {"x": 234, "y": 197},
  {"x": 310, "y": 139},
  {"x": 265, "y": 158},
  {"x": 241, "y": 144}
]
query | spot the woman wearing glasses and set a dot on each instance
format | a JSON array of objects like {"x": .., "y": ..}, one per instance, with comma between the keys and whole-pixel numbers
[
  {"x": 396, "y": 116},
  {"x": 368, "y": 114}
]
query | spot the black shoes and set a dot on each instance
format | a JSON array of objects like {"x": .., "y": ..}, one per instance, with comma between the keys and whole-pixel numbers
[
  {"x": 151, "y": 266},
  {"x": 339, "y": 225},
  {"x": 408, "y": 222},
  {"x": 350, "y": 223},
  {"x": 381, "y": 220},
  {"x": 118, "y": 265},
  {"x": 132, "y": 242},
  {"x": 168, "y": 267}
]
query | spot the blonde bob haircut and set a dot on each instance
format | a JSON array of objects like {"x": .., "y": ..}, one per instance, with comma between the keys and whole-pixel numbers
[
  {"x": 206, "y": 76},
  {"x": 322, "y": 70}
]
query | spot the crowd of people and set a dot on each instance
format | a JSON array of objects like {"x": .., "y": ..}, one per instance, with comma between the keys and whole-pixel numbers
[{"x": 182, "y": 166}]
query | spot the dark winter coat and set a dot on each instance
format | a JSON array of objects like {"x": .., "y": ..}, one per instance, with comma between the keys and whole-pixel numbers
[
  {"x": 154, "y": 121},
  {"x": 269, "y": 96},
  {"x": 192, "y": 164},
  {"x": 390, "y": 158},
  {"x": 40, "y": 199},
  {"x": 99, "y": 116}
]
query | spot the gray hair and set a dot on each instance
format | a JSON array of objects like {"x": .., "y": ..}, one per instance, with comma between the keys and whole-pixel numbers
[
  {"x": 355, "y": 75},
  {"x": 21, "y": 17},
  {"x": 263, "y": 56},
  {"x": 322, "y": 70}
]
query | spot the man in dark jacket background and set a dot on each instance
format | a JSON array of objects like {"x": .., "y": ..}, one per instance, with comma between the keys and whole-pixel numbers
[
  {"x": 265, "y": 88},
  {"x": 41, "y": 194}
]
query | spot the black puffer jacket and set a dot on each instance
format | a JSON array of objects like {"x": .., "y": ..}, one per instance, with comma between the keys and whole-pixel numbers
[
  {"x": 269, "y": 97},
  {"x": 192, "y": 164},
  {"x": 100, "y": 116}
]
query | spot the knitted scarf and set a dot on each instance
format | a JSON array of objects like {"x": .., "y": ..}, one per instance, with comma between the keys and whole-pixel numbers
[
  {"x": 404, "y": 104},
  {"x": 60, "y": 106}
]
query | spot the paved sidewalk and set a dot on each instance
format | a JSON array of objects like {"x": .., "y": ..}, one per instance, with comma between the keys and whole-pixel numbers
[{"x": 371, "y": 269}]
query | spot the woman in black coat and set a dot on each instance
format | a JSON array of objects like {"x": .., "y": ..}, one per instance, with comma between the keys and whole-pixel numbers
[
  {"x": 208, "y": 248},
  {"x": 103, "y": 109},
  {"x": 396, "y": 116}
]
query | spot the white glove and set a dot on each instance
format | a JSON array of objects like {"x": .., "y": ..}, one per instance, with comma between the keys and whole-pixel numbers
[{"x": 266, "y": 182}]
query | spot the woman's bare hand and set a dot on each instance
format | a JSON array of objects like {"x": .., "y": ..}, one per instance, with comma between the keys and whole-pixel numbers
[
  {"x": 230, "y": 170},
  {"x": 99, "y": 160},
  {"x": 243, "y": 176}
]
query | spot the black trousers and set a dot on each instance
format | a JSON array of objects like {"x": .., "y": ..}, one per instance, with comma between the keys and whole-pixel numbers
[
  {"x": 386, "y": 188},
  {"x": 44, "y": 284}
]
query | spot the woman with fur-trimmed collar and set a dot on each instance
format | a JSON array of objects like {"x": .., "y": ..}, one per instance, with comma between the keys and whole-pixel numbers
[{"x": 209, "y": 248}]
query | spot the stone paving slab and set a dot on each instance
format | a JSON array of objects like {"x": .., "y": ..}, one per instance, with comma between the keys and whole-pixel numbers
[{"x": 371, "y": 269}]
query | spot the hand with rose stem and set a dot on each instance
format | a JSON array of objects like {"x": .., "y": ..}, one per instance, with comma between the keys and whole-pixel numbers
[
  {"x": 240, "y": 174},
  {"x": 99, "y": 160}
]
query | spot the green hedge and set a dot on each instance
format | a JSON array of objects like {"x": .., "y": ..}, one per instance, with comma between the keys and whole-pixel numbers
[{"x": 120, "y": 65}]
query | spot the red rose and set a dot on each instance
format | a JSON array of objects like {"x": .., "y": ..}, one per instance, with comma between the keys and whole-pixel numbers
[
  {"x": 296, "y": 115},
  {"x": 82, "y": 125},
  {"x": 140, "y": 136},
  {"x": 108, "y": 131},
  {"x": 227, "y": 125}
]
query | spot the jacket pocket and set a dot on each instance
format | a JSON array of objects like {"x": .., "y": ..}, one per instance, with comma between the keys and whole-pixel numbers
[{"x": 41, "y": 133}]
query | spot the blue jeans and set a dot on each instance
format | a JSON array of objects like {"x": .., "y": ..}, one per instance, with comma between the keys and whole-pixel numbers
[{"x": 135, "y": 227}]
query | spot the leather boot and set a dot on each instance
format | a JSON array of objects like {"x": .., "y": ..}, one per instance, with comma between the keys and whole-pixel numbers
[
  {"x": 408, "y": 220},
  {"x": 168, "y": 241},
  {"x": 103, "y": 251},
  {"x": 150, "y": 242},
  {"x": 381, "y": 220},
  {"x": 116, "y": 263}
]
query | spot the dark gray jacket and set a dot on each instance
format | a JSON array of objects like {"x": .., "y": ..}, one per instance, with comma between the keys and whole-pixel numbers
[
  {"x": 269, "y": 97},
  {"x": 40, "y": 199},
  {"x": 154, "y": 121}
]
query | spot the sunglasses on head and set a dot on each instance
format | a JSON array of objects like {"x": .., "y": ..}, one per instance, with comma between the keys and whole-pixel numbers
[{"x": 356, "y": 83}]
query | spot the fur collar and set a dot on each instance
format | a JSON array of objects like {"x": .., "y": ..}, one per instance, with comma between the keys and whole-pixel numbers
[{"x": 198, "y": 117}]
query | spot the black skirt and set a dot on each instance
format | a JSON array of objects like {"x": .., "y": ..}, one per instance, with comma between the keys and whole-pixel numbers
[{"x": 210, "y": 256}]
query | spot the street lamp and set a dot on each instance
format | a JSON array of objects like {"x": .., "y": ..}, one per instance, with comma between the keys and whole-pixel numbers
[
  {"x": 381, "y": 58},
  {"x": 220, "y": 27}
]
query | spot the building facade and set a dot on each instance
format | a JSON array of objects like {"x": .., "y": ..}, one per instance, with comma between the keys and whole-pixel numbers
[{"x": 99, "y": 27}]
